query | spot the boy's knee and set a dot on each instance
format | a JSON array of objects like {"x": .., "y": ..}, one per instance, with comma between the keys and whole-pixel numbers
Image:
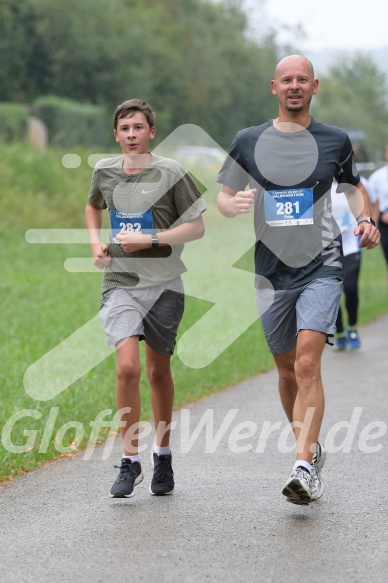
[
  {"x": 158, "y": 376},
  {"x": 129, "y": 371}
]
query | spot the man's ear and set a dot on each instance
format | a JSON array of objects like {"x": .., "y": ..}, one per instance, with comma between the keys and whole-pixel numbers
[
  {"x": 315, "y": 86},
  {"x": 273, "y": 87}
]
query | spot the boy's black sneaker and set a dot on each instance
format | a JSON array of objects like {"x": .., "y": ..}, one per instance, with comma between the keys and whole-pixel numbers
[
  {"x": 163, "y": 479},
  {"x": 130, "y": 475}
]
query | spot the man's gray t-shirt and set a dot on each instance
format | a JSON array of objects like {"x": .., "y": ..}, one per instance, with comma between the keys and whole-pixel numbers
[
  {"x": 159, "y": 197},
  {"x": 297, "y": 238}
]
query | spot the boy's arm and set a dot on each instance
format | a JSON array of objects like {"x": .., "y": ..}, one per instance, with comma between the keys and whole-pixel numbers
[
  {"x": 93, "y": 218},
  {"x": 183, "y": 233}
]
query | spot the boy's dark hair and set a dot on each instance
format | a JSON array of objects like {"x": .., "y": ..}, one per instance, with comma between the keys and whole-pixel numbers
[{"x": 128, "y": 108}]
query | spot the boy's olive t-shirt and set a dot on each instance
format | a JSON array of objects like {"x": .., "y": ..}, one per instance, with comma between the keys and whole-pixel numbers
[{"x": 161, "y": 196}]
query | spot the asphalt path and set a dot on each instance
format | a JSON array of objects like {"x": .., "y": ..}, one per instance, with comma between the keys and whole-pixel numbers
[{"x": 227, "y": 520}]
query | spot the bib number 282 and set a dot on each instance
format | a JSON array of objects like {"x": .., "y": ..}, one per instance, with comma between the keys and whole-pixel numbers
[{"x": 134, "y": 227}]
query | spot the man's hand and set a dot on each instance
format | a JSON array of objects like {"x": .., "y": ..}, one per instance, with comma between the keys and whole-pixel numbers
[
  {"x": 370, "y": 236},
  {"x": 235, "y": 202},
  {"x": 101, "y": 259},
  {"x": 243, "y": 201}
]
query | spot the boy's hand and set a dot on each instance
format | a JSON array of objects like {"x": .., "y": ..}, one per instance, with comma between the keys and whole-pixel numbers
[
  {"x": 132, "y": 242},
  {"x": 101, "y": 259}
]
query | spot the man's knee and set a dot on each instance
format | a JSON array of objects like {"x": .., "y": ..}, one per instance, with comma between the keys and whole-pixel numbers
[{"x": 307, "y": 368}]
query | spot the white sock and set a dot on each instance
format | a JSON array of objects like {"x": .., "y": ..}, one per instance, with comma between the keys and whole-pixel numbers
[
  {"x": 162, "y": 450},
  {"x": 133, "y": 458},
  {"x": 303, "y": 464}
]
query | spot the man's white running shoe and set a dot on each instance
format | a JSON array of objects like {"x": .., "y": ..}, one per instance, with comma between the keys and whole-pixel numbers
[
  {"x": 297, "y": 489},
  {"x": 319, "y": 456},
  {"x": 317, "y": 485}
]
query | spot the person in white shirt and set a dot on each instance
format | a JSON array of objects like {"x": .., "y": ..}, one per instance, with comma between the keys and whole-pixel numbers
[
  {"x": 378, "y": 190},
  {"x": 347, "y": 337}
]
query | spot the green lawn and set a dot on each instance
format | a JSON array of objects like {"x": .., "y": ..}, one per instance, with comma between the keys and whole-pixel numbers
[{"x": 44, "y": 303}]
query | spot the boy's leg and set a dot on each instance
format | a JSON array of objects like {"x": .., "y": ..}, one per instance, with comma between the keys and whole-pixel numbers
[
  {"x": 158, "y": 368},
  {"x": 128, "y": 373},
  {"x": 128, "y": 405},
  {"x": 162, "y": 398}
]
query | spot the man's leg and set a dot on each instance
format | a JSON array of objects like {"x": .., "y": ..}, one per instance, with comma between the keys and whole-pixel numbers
[
  {"x": 310, "y": 396},
  {"x": 304, "y": 484},
  {"x": 288, "y": 387},
  {"x": 299, "y": 391}
]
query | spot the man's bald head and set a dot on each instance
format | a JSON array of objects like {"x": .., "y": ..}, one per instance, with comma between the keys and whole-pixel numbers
[{"x": 292, "y": 61}]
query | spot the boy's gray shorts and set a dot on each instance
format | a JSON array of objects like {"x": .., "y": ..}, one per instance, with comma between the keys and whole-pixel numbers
[
  {"x": 153, "y": 314},
  {"x": 313, "y": 306}
]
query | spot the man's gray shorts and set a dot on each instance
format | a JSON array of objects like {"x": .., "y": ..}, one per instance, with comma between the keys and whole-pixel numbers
[
  {"x": 153, "y": 314},
  {"x": 313, "y": 306}
]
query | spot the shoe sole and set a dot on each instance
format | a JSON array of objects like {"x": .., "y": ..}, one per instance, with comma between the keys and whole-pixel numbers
[
  {"x": 296, "y": 493},
  {"x": 160, "y": 493},
  {"x": 138, "y": 480}
]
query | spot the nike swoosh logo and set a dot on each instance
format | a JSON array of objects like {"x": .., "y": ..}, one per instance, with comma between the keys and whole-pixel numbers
[{"x": 144, "y": 191}]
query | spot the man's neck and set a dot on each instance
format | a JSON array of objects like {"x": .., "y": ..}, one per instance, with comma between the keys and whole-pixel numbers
[{"x": 292, "y": 120}]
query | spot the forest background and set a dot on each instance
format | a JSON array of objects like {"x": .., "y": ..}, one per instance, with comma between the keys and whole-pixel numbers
[{"x": 200, "y": 62}]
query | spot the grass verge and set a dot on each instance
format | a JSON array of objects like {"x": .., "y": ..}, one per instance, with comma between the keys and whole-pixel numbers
[{"x": 43, "y": 304}]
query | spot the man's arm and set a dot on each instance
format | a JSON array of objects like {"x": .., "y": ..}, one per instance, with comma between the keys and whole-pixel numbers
[
  {"x": 359, "y": 204},
  {"x": 93, "y": 218},
  {"x": 235, "y": 202},
  {"x": 189, "y": 231}
]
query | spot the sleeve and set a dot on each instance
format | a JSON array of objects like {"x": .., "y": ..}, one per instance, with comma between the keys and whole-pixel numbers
[
  {"x": 188, "y": 199},
  {"x": 96, "y": 198},
  {"x": 347, "y": 173},
  {"x": 368, "y": 188},
  {"x": 232, "y": 173}
]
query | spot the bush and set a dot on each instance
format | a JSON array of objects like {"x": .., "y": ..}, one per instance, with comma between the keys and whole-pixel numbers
[
  {"x": 13, "y": 122},
  {"x": 70, "y": 123}
]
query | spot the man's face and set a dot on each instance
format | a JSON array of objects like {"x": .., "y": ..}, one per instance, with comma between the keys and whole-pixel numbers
[
  {"x": 294, "y": 84},
  {"x": 133, "y": 134}
]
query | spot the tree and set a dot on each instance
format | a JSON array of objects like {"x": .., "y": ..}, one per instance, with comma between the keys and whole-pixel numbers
[{"x": 353, "y": 95}]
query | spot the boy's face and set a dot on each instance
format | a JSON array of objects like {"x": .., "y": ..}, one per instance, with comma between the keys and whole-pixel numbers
[{"x": 133, "y": 134}]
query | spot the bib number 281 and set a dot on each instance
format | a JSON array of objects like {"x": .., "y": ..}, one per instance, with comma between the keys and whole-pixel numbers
[{"x": 287, "y": 208}]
